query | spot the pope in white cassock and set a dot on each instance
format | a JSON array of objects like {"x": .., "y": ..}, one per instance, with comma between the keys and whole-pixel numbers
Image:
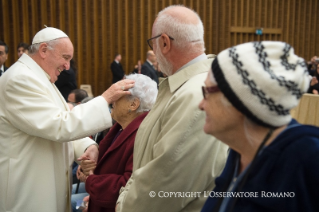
[{"x": 38, "y": 131}]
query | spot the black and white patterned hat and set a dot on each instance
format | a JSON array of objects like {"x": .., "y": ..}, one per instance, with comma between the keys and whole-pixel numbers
[{"x": 263, "y": 80}]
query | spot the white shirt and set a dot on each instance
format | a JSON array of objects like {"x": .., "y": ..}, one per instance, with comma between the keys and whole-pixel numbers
[
  {"x": 149, "y": 62},
  {"x": 1, "y": 70}
]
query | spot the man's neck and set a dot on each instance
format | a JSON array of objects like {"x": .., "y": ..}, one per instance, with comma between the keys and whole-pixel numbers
[{"x": 189, "y": 61}]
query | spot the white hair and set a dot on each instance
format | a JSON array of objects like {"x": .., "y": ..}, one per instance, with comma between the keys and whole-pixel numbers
[
  {"x": 186, "y": 35},
  {"x": 34, "y": 48},
  {"x": 145, "y": 89}
]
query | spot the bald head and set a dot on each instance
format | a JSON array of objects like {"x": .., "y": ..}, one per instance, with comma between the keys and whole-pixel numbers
[
  {"x": 182, "y": 24},
  {"x": 182, "y": 14},
  {"x": 151, "y": 56}
]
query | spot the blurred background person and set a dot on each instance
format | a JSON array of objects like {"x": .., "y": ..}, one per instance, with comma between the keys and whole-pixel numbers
[
  {"x": 312, "y": 65},
  {"x": 22, "y": 48},
  {"x": 148, "y": 68},
  {"x": 314, "y": 85},
  {"x": 117, "y": 69},
  {"x": 76, "y": 96},
  {"x": 137, "y": 68},
  {"x": 4, "y": 50},
  {"x": 114, "y": 166},
  {"x": 247, "y": 100},
  {"x": 67, "y": 80}
]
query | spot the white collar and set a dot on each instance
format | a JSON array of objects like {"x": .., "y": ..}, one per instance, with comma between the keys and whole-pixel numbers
[
  {"x": 149, "y": 62},
  {"x": 195, "y": 60}
]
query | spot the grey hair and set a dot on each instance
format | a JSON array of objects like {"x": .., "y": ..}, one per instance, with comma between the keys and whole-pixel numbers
[
  {"x": 185, "y": 34},
  {"x": 34, "y": 48},
  {"x": 145, "y": 89}
]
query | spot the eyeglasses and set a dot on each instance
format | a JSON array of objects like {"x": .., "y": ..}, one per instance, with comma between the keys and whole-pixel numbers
[
  {"x": 207, "y": 90},
  {"x": 151, "y": 43}
]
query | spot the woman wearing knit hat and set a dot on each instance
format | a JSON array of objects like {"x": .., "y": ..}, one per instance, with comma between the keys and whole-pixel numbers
[{"x": 273, "y": 164}]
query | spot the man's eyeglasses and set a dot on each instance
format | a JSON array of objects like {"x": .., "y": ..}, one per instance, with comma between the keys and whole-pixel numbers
[
  {"x": 207, "y": 90},
  {"x": 150, "y": 43}
]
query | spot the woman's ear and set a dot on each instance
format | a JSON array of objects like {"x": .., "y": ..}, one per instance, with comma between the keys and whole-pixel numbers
[{"x": 135, "y": 104}]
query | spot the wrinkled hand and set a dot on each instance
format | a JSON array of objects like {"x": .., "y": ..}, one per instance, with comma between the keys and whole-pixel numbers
[
  {"x": 78, "y": 172},
  {"x": 83, "y": 177},
  {"x": 117, "y": 90},
  {"x": 314, "y": 81},
  {"x": 88, "y": 166},
  {"x": 86, "y": 199},
  {"x": 91, "y": 153}
]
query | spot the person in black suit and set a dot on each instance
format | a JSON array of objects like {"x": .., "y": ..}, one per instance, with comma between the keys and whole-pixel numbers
[
  {"x": 148, "y": 67},
  {"x": 3, "y": 56},
  {"x": 117, "y": 69},
  {"x": 67, "y": 81}
]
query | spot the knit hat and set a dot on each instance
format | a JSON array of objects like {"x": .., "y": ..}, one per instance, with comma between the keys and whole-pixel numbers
[
  {"x": 48, "y": 34},
  {"x": 263, "y": 80}
]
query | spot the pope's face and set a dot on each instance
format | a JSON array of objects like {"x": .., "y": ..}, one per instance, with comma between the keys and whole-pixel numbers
[{"x": 58, "y": 59}]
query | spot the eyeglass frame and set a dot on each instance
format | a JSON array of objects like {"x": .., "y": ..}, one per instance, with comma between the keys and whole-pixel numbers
[
  {"x": 207, "y": 90},
  {"x": 157, "y": 36}
]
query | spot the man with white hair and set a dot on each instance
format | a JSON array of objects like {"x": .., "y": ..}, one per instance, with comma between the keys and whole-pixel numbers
[
  {"x": 36, "y": 127},
  {"x": 171, "y": 150}
]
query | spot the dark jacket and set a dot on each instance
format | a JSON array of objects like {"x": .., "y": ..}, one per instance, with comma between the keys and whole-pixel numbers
[
  {"x": 114, "y": 167},
  {"x": 289, "y": 164},
  {"x": 148, "y": 70},
  {"x": 66, "y": 83},
  {"x": 117, "y": 71}
]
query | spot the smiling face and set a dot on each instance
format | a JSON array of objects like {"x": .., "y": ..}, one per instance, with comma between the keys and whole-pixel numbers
[{"x": 57, "y": 59}]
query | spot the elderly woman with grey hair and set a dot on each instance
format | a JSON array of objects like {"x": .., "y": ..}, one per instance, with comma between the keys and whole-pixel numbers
[
  {"x": 273, "y": 164},
  {"x": 115, "y": 162}
]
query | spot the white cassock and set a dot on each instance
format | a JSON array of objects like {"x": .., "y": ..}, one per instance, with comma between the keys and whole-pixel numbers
[{"x": 35, "y": 129}]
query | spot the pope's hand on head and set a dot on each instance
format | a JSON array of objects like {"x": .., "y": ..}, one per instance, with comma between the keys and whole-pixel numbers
[{"x": 117, "y": 90}]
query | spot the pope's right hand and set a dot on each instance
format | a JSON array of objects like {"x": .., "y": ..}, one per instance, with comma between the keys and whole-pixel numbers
[{"x": 117, "y": 90}]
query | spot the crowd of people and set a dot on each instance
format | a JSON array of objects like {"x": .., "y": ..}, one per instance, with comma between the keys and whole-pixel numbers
[{"x": 213, "y": 134}]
